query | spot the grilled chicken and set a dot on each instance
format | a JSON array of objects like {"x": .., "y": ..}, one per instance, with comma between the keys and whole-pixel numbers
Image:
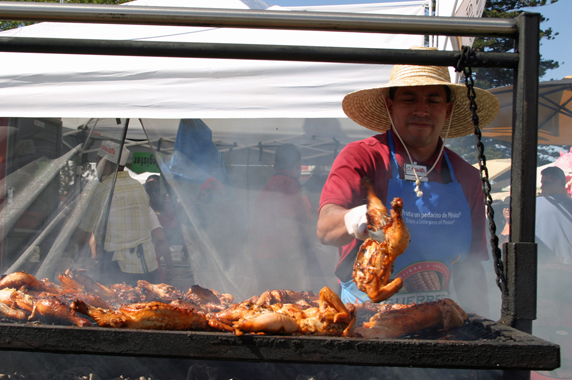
[
  {"x": 374, "y": 262},
  {"x": 330, "y": 318},
  {"x": 70, "y": 295},
  {"x": 202, "y": 295},
  {"x": 54, "y": 310},
  {"x": 146, "y": 315},
  {"x": 164, "y": 292},
  {"x": 77, "y": 279},
  {"x": 209, "y": 299},
  {"x": 8, "y": 312},
  {"x": 13, "y": 297},
  {"x": 411, "y": 318},
  {"x": 126, "y": 294},
  {"x": 303, "y": 300},
  {"x": 23, "y": 280}
]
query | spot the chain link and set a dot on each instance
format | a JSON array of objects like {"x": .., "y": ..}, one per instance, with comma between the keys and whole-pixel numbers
[{"x": 462, "y": 66}]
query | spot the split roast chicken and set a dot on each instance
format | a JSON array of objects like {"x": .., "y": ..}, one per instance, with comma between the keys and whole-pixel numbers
[{"x": 80, "y": 300}]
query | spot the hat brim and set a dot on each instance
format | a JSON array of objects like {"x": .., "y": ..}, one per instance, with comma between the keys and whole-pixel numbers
[{"x": 367, "y": 108}]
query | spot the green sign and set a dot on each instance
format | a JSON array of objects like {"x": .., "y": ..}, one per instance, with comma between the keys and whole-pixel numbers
[{"x": 144, "y": 162}]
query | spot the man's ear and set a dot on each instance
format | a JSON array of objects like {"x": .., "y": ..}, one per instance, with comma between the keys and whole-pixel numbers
[
  {"x": 389, "y": 103},
  {"x": 449, "y": 109}
]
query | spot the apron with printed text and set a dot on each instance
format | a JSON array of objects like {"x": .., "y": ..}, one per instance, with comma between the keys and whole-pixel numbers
[{"x": 439, "y": 223}]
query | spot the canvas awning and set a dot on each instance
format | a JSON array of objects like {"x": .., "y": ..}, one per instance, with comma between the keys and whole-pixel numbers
[
  {"x": 80, "y": 86},
  {"x": 554, "y": 113}
]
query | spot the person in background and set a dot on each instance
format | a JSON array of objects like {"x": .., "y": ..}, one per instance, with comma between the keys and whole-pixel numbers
[
  {"x": 162, "y": 248},
  {"x": 443, "y": 203},
  {"x": 504, "y": 208},
  {"x": 554, "y": 218},
  {"x": 125, "y": 250},
  {"x": 277, "y": 237},
  {"x": 554, "y": 243},
  {"x": 163, "y": 207}
]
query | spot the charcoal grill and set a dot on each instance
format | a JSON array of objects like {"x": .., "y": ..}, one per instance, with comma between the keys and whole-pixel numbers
[{"x": 481, "y": 344}]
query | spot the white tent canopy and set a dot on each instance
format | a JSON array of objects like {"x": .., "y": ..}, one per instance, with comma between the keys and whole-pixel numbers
[{"x": 55, "y": 85}]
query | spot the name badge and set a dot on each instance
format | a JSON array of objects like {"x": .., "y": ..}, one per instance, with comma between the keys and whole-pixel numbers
[{"x": 419, "y": 169}]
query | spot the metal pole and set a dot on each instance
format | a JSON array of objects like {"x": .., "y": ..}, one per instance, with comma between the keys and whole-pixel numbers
[
  {"x": 249, "y": 51},
  {"x": 519, "y": 305},
  {"x": 256, "y": 19}
]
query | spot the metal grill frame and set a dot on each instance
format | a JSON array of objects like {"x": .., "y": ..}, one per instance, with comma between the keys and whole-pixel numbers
[{"x": 510, "y": 350}]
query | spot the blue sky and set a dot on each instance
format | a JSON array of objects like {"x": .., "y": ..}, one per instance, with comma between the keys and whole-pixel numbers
[{"x": 559, "y": 15}]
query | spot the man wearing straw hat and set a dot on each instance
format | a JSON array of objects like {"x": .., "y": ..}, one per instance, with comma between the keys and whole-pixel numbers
[{"x": 443, "y": 202}]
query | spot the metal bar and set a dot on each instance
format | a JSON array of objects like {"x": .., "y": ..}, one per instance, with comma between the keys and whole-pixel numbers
[
  {"x": 248, "y": 51},
  {"x": 23, "y": 258},
  {"x": 11, "y": 213},
  {"x": 525, "y": 131},
  {"x": 516, "y": 305},
  {"x": 256, "y": 19}
]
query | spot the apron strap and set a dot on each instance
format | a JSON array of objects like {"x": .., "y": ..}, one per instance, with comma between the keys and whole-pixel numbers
[{"x": 394, "y": 165}]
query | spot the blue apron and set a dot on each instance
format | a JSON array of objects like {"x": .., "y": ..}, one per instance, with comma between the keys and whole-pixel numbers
[{"x": 439, "y": 223}]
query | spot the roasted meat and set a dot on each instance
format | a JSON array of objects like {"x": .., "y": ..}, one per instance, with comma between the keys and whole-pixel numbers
[
  {"x": 54, "y": 310},
  {"x": 374, "y": 262},
  {"x": 8, "y": 312},
  {"x": 146, "y": 315},
  {"x": 209, "y": 299},
  {"x": 70, "y": 295},
  {"x": 77, "y": 279},
  {"x": 303, "y": 300},
  {"x": 17, "y": 298},
  {"x": 330, "y": 318},
  {"x": 126, "y": 294},
  {"x": 411, "y": 318},
  {"x": 163, "y": 292},
  {"x": 23, "y": 280}
]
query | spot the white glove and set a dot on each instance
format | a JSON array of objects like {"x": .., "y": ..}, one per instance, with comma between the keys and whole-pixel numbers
[{"x": 356, "y": 222}]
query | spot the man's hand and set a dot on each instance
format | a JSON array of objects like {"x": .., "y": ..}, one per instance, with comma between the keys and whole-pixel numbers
[
  {"x": 332, "y": 228},
  {"x": 163, "y": 250},
  {"x": 356, "y": 222}
]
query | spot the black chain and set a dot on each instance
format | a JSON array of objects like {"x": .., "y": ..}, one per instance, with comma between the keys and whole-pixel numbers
[{"x": 462, "y": 66}]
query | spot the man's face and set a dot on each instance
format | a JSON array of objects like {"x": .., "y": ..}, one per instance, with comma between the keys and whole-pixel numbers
[
  {"x": 549, "y": 185},
  {"x": 419, "y": 114},
  {"x": 153, "y": 189}
]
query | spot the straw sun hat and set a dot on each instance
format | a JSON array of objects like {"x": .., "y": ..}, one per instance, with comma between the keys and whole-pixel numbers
[{"x": 367, "y": 107}]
